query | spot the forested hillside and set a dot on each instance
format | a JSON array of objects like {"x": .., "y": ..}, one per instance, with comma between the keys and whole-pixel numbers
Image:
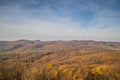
[{"x": 59, "y": 60}]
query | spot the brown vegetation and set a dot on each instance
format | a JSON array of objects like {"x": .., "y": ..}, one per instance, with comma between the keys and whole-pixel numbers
[{"x": 59, "y": 60}]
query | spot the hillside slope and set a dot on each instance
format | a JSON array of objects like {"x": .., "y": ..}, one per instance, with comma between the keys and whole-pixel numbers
[{"x": 59, "y": 60}]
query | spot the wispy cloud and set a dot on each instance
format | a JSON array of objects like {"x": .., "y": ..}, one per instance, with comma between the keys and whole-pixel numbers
[{"x": 60, "y": 20}]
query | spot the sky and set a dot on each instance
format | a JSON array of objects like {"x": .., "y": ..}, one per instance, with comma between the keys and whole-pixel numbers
[{"x": 60, "y": 20}]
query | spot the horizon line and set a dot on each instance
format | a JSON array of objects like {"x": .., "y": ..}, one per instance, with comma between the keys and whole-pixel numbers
[{"x": 62, "y": 40}]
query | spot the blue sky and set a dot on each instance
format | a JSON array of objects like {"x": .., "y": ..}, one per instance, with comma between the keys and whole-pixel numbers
[{"x": 60, "y": 20}]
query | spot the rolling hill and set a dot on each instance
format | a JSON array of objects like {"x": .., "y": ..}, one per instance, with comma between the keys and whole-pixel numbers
[{"x": 59, "y": 60}]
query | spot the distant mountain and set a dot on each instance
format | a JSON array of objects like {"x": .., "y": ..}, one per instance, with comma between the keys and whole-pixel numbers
[
  {"x": 3, "y": 44},
  {"x": 37, "y": 45}
]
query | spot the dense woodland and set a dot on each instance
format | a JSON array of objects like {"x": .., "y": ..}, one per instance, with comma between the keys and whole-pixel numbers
[{"x": 59, "y": 60}]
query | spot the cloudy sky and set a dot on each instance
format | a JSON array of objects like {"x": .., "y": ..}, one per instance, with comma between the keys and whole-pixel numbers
[{"x": 60, "y": 20}]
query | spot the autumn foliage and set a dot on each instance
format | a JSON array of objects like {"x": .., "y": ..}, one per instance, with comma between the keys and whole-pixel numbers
[{"x": 60, "y": 60}]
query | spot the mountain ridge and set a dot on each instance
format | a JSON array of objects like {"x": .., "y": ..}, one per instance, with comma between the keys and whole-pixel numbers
[{"x": 51, "y": 45}]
